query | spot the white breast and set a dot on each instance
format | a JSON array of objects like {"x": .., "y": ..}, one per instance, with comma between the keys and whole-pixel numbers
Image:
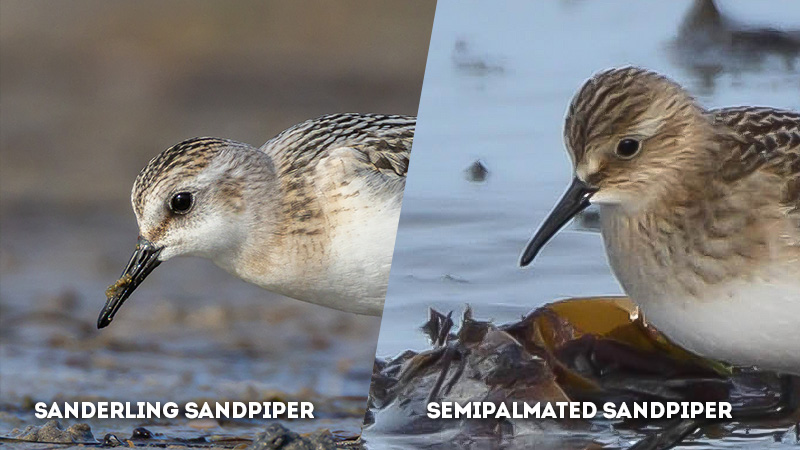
[
  {"x": 361, "y": 247},
  {"x": 746, "y": 323},
  {"x": 361, "y": 211}
]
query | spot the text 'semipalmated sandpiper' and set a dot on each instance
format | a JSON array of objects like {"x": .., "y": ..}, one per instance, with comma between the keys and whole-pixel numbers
[
  {"x": 311, "y": 215},
  {"x": 699, "y": 210}
]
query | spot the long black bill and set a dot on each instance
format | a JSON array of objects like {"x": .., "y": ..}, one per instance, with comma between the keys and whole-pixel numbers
[
  {"x": 143, "y": 261},
  {"x": 575, "y": 200}
]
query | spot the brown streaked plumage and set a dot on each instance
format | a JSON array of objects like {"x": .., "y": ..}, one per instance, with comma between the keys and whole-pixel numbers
[
  {"x": 700, "y": 212},
  {"x": 312, "y": 214}
]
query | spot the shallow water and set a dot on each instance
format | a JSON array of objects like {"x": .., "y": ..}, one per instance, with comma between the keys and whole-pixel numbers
[{"x": 497, "y": 85}]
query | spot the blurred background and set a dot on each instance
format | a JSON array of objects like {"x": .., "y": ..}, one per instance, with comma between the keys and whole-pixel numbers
[
  {"x": 91, "y": 90},
  {"x": 490, "y": 162}
]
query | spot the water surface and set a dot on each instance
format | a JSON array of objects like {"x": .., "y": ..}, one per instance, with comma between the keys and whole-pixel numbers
[{"x": 497, "y": 84}]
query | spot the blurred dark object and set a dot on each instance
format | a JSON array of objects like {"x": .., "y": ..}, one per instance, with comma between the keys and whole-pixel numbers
[
  {"x": 438, "y": 326},
  {"x": 477, "y": 172},
  {"x": 278, "y": 437},
  {"x": 141, "y": 433},
  {"x": 710, "y": 44},
  {"x": 111, "y": 440},
  {"x": 468, "y": 62}
]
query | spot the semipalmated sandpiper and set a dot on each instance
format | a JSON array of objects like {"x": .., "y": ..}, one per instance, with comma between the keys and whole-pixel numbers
[
  {"x": 311, "y": 215},
  {"x": 699, "y": 210}
]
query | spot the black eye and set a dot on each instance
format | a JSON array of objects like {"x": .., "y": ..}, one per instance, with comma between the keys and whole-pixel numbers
[
  {"x": 627, "y": 148},
  {"x": 181, "y": 202}
]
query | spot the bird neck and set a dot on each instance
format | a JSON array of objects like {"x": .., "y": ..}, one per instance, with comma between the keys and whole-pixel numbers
[{"x": 686, "y": 243}]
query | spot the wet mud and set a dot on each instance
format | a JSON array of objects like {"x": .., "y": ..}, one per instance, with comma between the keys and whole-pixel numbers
[
  {"x": 79, "y": 435},
  {"x": 53, "y": 432}
]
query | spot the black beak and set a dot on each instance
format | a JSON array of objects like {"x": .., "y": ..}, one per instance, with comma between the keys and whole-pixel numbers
[
  {"x": 143, "y": 261},
  {"x": 575, "y": 200}
]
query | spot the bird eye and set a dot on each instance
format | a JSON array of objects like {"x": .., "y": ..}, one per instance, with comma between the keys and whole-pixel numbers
[
  {"x": 181, "y": 202},
  {"x": 627, "y": 148}
]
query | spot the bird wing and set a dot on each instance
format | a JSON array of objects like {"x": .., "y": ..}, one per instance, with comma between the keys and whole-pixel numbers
[
  {"x": 384, "y": 139},
  {"x": 766, "y": 139},
  {"x": 376, "y": 167},
  {"x": 340, "y": 156}
]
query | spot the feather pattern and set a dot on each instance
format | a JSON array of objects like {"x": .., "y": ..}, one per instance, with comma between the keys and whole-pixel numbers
[{"x": 311, "y": 214}]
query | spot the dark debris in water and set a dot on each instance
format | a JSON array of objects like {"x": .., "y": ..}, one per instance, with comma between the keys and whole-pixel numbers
[
  {"x": 275, "y": 437},
  {"x": 278, "y": 437},
  {"x": 141, "y": 433},
  {"x": 111, "y": 440},
  {"x": 576, "y": 350},
  {"x": 438, "y": 326},
  {"x": 477, "y": 172}
]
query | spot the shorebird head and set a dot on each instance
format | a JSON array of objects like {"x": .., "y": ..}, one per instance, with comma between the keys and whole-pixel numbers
[
  {"x": 631, "y": 134},
  {"x": 190, "y": 200}
]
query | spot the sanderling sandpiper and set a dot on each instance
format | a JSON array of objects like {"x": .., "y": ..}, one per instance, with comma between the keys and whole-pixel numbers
[
  {"x": 699, "y": 211},
  {"x": 311, "y": 215}
]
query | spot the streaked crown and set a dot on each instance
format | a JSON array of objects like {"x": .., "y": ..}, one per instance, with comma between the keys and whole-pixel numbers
[
  {"x": 629, "y": 131},
  {"x": 616, "y": 101},
  {"x": 179, "y": 161}
]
